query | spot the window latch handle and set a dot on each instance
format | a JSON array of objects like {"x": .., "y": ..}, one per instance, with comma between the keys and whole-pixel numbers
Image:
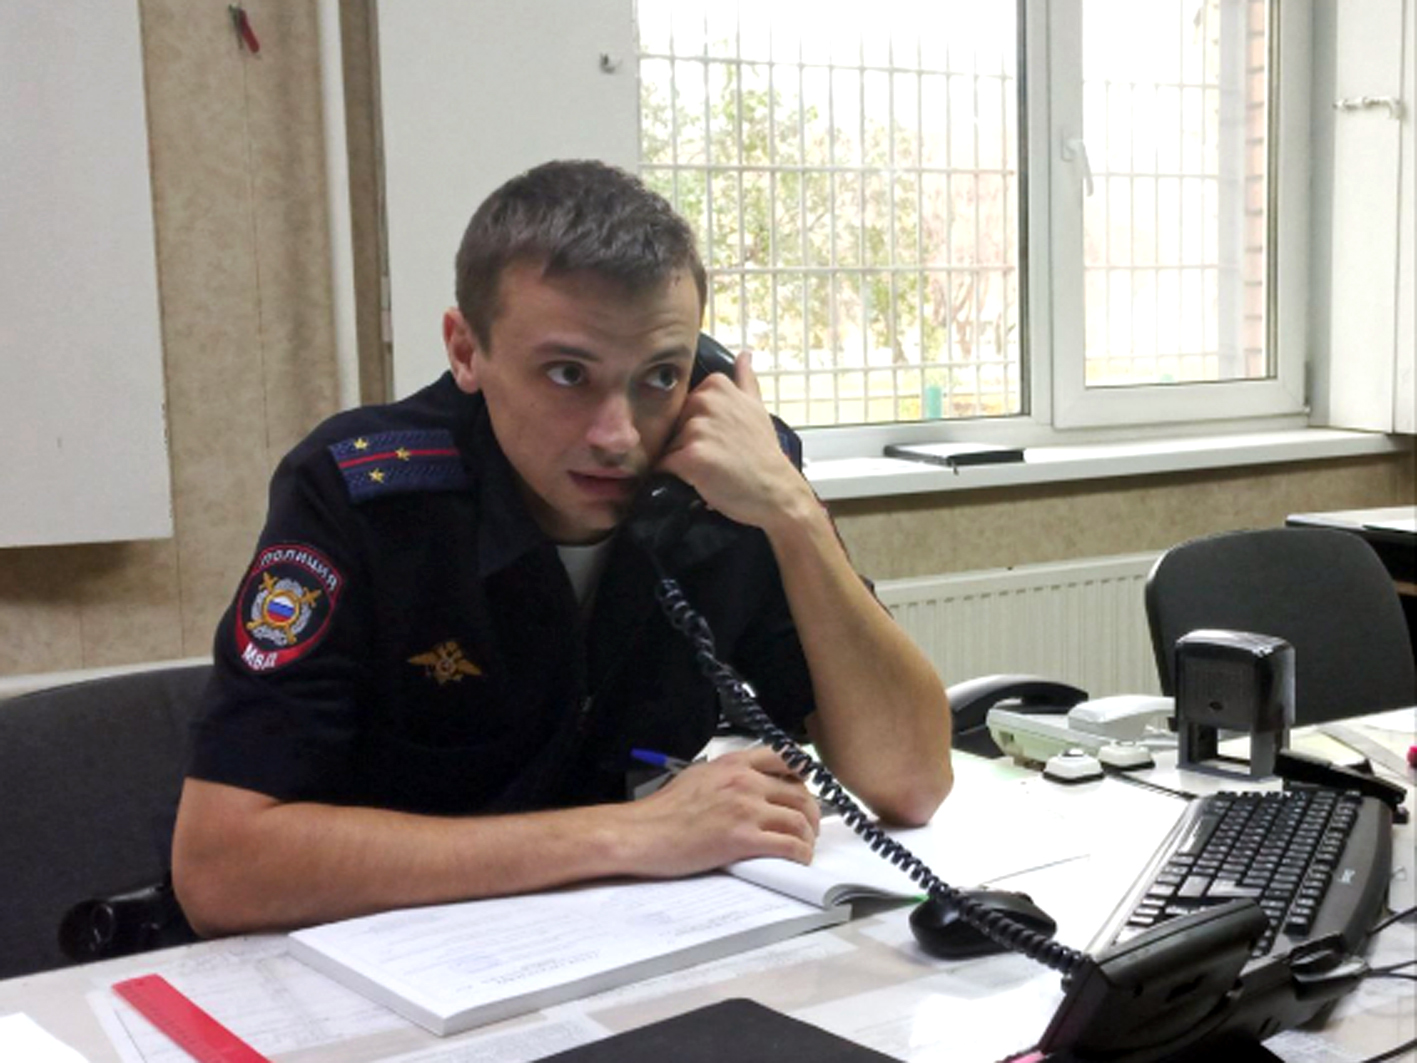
[
  {"x": 1363, "y": 103},
  {"x": 1075, "y": 150}
]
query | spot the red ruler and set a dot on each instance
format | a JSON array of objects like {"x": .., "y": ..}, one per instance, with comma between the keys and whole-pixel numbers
[{"x": 202, "y": 1036}]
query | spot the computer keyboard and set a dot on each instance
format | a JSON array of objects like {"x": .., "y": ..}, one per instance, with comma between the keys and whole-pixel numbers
[{"x": 1316, "y": 861}]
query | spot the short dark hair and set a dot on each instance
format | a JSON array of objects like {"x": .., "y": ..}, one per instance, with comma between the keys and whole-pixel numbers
[{"x": 572, "y": 216}]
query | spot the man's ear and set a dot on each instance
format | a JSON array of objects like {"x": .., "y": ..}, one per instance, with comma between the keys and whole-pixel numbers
[{"x": 463, "y": 353}]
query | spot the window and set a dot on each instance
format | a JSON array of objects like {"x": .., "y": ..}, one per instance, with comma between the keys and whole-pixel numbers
[
  {"x": 854, "y": 173},
  {"x": 1164, "y": 195},
  {"x": 1173, "y": 222},
  {"x": 855, "y": 185}
]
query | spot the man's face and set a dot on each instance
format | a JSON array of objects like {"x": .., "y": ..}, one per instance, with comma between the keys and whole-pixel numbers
[{"x": 583, "y": 385}]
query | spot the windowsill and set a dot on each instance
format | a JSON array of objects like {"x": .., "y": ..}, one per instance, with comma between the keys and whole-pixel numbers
[{"x": 878, "y": 477}]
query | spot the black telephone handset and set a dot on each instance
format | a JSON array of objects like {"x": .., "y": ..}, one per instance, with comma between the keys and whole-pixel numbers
[
  {"x": 666, "y": 504},
  {"x": 710, "y": 357}
]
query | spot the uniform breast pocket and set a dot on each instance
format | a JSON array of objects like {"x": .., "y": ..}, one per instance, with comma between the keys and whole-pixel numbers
[{"x": 449, "y": 747}]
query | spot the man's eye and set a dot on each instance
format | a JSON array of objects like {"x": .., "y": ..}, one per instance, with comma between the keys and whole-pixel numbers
[
  {"x": 567, "y": 374},
  {"x": 663, "y": 377}
]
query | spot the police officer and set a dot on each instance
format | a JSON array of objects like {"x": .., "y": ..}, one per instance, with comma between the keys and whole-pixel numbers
[{"x": 431, "y": 678}]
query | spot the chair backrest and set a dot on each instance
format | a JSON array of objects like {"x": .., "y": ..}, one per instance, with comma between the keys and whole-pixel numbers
[
  {"x": 1325, "y": 592},
  {"x": 90, "y": 775}
]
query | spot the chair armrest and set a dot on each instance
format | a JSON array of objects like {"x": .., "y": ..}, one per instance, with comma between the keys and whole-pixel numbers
[{"x": 121, "y": 924}]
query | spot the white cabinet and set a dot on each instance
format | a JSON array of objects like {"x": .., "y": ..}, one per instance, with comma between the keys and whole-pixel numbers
[
  {"x": 474, "y": 92},
  {"x": 1369, "y": 381},
  {"x": 83, "y": 448}
]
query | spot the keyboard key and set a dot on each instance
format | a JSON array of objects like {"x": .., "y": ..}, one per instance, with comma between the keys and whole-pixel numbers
[
  {"x": 1230, "y": 890},
  {"x": 1183, "y": 907},
  {"x": 1198, "y": 835},
  {"x": 1194, "y": 887}
]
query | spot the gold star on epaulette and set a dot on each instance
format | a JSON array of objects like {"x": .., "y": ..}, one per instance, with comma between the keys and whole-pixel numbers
[
  {"x": 377, "y": 476},
  {"x": 361, "y": 444},
  {"x": 402, "y": 454}
]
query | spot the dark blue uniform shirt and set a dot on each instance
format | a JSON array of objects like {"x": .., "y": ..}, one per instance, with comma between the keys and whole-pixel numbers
[{"x": 408, "y": 638}]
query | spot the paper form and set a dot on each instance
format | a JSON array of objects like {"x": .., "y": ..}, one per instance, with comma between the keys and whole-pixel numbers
[
  {"x": 794, "y": 952},
  {"x": 987, "y": 830},
  {"x": 254, "y": 988},
  {"x": 1399, "y": 721},
  {"x": 23, "y": 1038},
  {"x": 453, "y": 959},
  {"x": 987, "y": 1009}
]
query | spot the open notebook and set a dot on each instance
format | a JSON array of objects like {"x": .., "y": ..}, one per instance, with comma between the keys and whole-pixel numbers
[{"x": 452, "y": 967}]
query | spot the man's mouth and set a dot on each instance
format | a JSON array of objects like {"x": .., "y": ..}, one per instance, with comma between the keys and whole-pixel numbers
[{"x": 609, "y": 487}]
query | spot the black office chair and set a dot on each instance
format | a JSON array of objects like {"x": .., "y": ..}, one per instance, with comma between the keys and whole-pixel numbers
[
  {"x": 90, "y": 775},
  {"x": 1325, "y": 592}
]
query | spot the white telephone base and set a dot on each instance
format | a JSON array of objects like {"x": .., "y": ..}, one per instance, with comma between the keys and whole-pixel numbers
[{"x": 1034, "y": 737}]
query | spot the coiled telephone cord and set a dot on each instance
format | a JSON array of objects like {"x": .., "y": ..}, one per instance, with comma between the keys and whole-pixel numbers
[{"x": 737, "y": 697}]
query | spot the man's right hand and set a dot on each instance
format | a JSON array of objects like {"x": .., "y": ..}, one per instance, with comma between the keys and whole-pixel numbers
[{"x": 736, "y": 807}]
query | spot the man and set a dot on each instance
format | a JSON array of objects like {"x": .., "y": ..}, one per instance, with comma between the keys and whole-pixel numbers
[{"x": 431, "y": 678}]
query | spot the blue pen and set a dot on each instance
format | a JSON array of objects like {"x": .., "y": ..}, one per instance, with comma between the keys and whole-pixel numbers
[{"x": 673, "y": 765}]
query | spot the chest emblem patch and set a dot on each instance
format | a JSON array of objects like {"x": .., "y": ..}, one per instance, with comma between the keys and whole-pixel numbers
[
  {"x": 285, "y": 605},
  {"x": 446, "y": 663}
]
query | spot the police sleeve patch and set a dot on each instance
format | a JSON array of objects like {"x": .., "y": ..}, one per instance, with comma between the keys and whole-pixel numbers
[
  {"x": 392, "y": 463},
  {"x": 285, "y": 605}
]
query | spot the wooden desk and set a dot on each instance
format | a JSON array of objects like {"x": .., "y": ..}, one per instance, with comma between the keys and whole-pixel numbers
[{"x": 865, "y": 980}]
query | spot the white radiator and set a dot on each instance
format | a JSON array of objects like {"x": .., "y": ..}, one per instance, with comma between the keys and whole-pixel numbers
[{"x": 1083, "y": 622}]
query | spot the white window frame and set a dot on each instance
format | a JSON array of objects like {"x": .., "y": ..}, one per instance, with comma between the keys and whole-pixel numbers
[
  {"x": 1059, "y": 409},
  {"x": 1073, "y": 404}
]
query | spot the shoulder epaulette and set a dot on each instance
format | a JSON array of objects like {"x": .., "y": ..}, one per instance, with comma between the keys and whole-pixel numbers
[{"x": 400, "y": 462}]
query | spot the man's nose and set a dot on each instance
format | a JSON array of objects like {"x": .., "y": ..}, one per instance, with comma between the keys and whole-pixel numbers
[{"x": 612, "y": 431}]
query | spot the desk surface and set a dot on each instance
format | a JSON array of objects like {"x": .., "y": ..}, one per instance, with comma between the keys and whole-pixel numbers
[
  {"x": 1392, "y": 533},
  {"x": 1397, "y": 523},
  {"x": 865, "y": 980}
]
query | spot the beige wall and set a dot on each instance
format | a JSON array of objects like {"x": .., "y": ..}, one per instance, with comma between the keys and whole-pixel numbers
[
  {"x": 247, "y": 328},
  {"x": 893, "y": 538},
  {"x": 238, "y": 184}
]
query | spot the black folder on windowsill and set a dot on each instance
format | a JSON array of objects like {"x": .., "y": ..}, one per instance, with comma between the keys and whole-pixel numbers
[
  {"x": 955, "y": 455},
  {"x": 742, "y": 1031}
]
